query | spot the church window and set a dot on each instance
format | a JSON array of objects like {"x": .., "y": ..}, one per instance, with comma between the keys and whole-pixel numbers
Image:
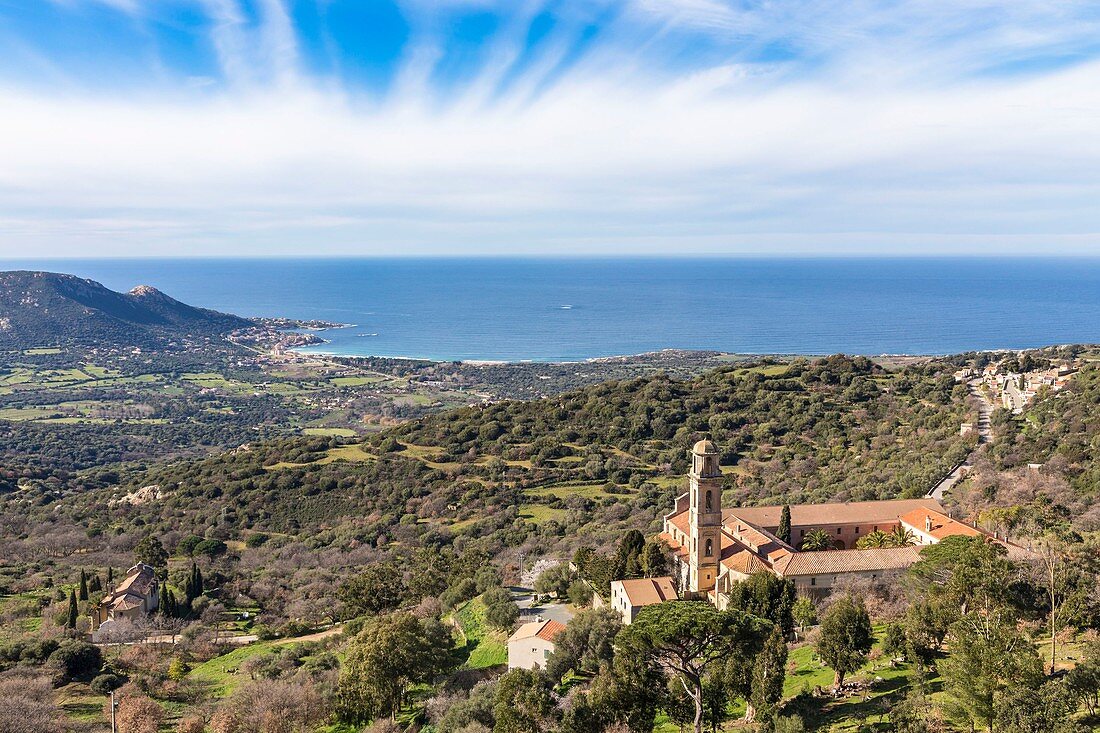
[
  {"x": 710, "y": 548},
  {"x": 709, "y": 501}
]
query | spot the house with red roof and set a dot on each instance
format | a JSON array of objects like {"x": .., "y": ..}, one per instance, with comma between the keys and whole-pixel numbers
[{"x": 533, "y": 643}]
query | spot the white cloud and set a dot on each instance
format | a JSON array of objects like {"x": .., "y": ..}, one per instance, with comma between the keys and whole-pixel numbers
[{"x": 882, "y": 146}]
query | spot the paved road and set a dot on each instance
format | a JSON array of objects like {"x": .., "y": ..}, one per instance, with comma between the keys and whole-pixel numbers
[
  {"x": 1016, "y": 397},
  {"x": 559, "y": 612},
  {"x": 985, "y": 434}
]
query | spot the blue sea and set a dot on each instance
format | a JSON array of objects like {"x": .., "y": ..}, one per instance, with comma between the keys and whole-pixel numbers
[{"x": 572, "y": 309}]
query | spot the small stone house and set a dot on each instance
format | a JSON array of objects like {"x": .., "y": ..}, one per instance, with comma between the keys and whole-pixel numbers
[
  {"x": 136, "y": 596},
  {"x": 532, "y": 644}
]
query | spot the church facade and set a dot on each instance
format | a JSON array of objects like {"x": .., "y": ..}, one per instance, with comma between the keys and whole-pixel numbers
[{"x": 713, "y": 548}]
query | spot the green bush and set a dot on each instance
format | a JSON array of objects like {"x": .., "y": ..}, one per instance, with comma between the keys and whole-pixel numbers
[
  {"x": 104, "y": 683},
  {"x": 74, "y": 660},
  {"x": 256, "y": 539}
]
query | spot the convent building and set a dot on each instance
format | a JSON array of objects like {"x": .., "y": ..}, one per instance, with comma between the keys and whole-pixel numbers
[{"x": 713, "y": 548}]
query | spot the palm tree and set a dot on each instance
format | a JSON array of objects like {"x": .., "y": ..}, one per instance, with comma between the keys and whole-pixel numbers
[
  {"x": 900, "y": 537},
  {"x": 872, "y": 540},
  {"x": 817, "y": 539}
]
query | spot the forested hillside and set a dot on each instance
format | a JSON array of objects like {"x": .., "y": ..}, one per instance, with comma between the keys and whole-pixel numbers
[
  {"x": 535, "y": 475},
  {"x": 837, "y": 428},
  {"x": 344, "y": 581},
  {"x": 1044, "y": 465}
]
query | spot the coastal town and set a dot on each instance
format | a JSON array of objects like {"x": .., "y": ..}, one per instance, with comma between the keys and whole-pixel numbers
[{"x": 1007, "y": 385}]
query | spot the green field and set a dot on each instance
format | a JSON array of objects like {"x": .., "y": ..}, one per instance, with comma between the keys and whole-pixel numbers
[
  {"x": 564, "y": 491},
  {"x": 223, "y": 673},
  {"x": 482, "y": 646},
  {"x": 338, "y": 432},
  {"x": 540, "y": 513}
]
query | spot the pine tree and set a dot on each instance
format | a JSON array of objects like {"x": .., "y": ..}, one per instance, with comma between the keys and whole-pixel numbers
[
  {"x": 784, "y": 531},
  {"x": 769, "y": 671},
  {"x": 74, "y": 611},
  {"x": 83, "y": 595}
]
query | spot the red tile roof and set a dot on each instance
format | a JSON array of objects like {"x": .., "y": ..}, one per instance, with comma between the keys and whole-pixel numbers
[
  {"x": 941, "y": 524},
  {"x": 827, "y": 562},
  {"x": 647, "y": 591},
  {"x": 550, "y": 630},
  {"x": 809, "y": 515},
  {"x": 547, "y": 630}
]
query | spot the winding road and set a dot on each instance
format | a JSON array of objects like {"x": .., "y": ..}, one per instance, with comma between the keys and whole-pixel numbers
[{"x": 985, "y": 434}]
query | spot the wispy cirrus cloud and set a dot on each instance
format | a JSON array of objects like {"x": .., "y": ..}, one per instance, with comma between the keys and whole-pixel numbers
[{"x": 224, "y": 126}]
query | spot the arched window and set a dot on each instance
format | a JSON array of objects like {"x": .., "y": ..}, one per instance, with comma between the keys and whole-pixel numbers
[
  {"x": 710, "y": 501},
  {"x": 710, "y": 548}
]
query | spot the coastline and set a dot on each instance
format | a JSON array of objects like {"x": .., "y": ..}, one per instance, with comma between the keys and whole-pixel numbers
[{"x": 317, "y": 350}]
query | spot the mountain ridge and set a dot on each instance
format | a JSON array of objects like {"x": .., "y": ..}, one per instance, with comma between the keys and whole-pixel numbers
[{"x": 39, "y": 308}]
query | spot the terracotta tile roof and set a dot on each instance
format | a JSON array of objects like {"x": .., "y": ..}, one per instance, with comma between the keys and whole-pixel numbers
[
  {"x": 825, "y": 562},
  {"x": 548, "y": 630},
  {"x": 673, "y": 545},
  {"x": 647, "y": 591},
  {"x": 744, "y": 561},
  {"x": 681, "y": 522},
  {"x": 941, "y": 524},
  {"x": 808, "y": 515},
  {"x": 758, "y": 540},
  {"x": 138, "y": 580},
  {"x": 126, "y": 602}
]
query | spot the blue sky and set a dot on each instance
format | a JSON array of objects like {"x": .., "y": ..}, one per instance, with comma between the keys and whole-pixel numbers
[{"x": 249, "y": 127}]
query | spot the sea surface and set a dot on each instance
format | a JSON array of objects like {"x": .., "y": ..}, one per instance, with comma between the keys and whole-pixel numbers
[{"x": 572, "y": 309}]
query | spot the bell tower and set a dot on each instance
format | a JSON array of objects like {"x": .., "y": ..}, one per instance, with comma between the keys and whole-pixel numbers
[{"x": 705, "y": 517}]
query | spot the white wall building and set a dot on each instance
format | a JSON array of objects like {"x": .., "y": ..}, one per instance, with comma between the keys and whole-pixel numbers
[
  {"x": 630, "y": 596},
  {"x": 532, "y": 644}
]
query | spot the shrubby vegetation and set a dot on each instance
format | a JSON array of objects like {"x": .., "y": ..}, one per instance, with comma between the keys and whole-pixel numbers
[{"x": 375, "y": 572}]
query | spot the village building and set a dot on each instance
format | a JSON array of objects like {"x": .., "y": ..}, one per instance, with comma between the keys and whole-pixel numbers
[
  {"x": 135, "y": 597},
  {"x": 533, "y": 643},
  {"x": 712, "y": 548},
  {"x": 630, "y": 596}
]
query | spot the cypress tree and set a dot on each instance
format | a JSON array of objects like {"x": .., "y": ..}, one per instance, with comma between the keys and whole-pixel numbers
[
  {"x": 196, "y": 581},
  {"x": 74, "y": 611},
  {"x": 110, "y": 577},
  {"x": 784, "y": 531},
  {"x": 163, "y": 602},
  {"x": 83, "y": 595},
  {"x": 95, "y": 585}
]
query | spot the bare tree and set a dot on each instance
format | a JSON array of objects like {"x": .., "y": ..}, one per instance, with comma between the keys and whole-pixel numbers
[{"x": 27, "y": 705}]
